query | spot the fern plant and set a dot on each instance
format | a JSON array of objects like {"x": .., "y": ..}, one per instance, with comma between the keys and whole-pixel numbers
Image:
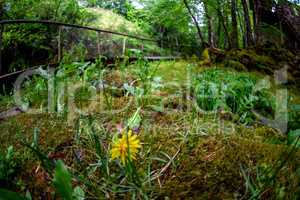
[
  {"x": 231, "y": 91},
  {"x": 7, "y": 165}
]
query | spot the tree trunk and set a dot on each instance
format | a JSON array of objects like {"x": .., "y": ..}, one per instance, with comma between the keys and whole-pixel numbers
[
  {"x": 290, "y": 23},
  {"x": 264, "y": 14},
  {"x": 1, "y": 9},
  {"x": 218, "y": 39},
  {"x": 243, "y": 31},
  {"x": 222, "y": 21},
  {"x": 234, "y": 32},
  {"x": 249, "y": 34},
  {"x": 257, "y": 19},
  {"x": 211, "y": 42},
  {"x": 195, "y": 22}
]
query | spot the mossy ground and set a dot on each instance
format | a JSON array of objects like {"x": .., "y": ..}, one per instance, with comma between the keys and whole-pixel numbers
[{"x": 199, "y": 156}]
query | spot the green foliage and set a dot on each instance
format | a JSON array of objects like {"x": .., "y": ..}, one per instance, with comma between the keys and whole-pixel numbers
[
  {"x": 20, "y": 39},
  {"x": 6, "y": 194},
  {"x": 35, "y": 92},
  {"x": 7, "y": 164},
  {"x": 135, "y": 120},
  {"x": 62, "y": 181},
  {"x": 120, "y": 6},
  {"x": 171, "y": 23},
  {"x": 180, "y": 150},
  {"x": 147, "y": 80},
  {"x": 38, "y": 152},
  {"x": 293, "y": 138},
  {"x": 267, "y": 176},
  {"x": 6, "y": 100},
  {"x": 217, "y": 89},
  {"x": 235, "y": 65},
  {"x": 115, "y": 179},
  {"x": 65, "y": 11},
  {"x": 205, "y": 55}
]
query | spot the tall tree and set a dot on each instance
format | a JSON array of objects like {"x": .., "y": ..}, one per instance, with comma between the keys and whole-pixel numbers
[
  {"x": 1, "y": 9},
  {"x": 195, "y": 22},
  {"x": 222, "y": 21},
  {"x": 249, "y": 34},
  {"x": 211, "y": 41},
  {"x": 234, "y": 32},
  {"x": 264, "y": 14}
]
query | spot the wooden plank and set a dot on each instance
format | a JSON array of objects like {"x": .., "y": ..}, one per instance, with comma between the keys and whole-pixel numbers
[
  {"x": 142, "y": 47},
  {"x": 153, "y": 58},
  {"x": 99, "y": 43},
  {"x": 150, "y": 58},
  {"x": 59, "y": 46},
  {"x": 124, "y": 46}
]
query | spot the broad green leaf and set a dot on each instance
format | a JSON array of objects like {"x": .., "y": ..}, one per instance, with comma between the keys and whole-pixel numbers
[
  {"x": 135, "y": 120},
  {"x": 10, "y": 153},
  {"x": 293, "y": 137},
  {"x": 36, "y": 136},
  {"x": 62, "y": 181},
  {"x": 9, "y": 195},
  {"x": 78, "y": 193}
]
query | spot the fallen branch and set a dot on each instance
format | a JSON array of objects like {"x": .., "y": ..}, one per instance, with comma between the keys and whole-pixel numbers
[{"x": 10, "y": 113}]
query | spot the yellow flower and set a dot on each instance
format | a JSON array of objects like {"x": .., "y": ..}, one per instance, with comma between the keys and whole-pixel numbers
[{"x": 125, "y": 147}]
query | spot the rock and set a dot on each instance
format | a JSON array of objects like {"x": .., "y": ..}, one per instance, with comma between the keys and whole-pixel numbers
[{"x": 235, "y": 65}]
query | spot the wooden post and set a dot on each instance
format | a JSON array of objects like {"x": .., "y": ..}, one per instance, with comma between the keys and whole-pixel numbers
[
  {"x": 1, "y": 31},
  {"x": 124, "y": 46},
  {"x": 161, "y": 44},
  {"x": 177, "y": 45},
  {"x": 59, "y": 56},
  {"x": 99, "y": 43}
]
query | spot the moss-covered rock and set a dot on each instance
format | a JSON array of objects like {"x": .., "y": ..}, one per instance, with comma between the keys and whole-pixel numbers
[
  {"x": 206, "y": 61},
  {"x": 252, "y": 61},
  {"x": 235, "y": 65}
]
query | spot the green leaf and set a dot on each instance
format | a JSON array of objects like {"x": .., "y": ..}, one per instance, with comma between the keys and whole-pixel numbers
[
  {"x": 9, "y": 195},
  {"x": 28, "y": 195},
  {"x": 62, "y": 181},
  {"x": 36, "y": 135},
  {"x": 295, "y": 107},
  {"x": 78, "y": 193},
  {"x": 293, "y": 136},
  {"x": 10, "y": 153},
  {"x": 135, "y": 120}
]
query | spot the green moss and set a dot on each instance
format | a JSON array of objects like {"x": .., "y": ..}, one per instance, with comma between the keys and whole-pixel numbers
[
  {"x": 53, "y": 130},
  {"x": 235, "y": 65},
  {"x": 252, "y": 60},
  {"x": 212, "y": 168},
  {"x": 208, "y": 149},
  {"x": 205, "y": 55}
]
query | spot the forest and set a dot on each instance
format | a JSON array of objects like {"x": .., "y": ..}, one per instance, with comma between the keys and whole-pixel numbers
[{"x": 149, "y": 99}]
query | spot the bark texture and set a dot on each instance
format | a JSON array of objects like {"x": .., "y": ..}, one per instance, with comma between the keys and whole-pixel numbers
[
  {"x": 234, "y": 32},
  {"x": 249, "y": 33}
]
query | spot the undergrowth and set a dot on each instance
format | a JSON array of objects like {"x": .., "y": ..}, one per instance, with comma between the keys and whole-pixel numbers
[
  {"x": 175, "y": 131},
  {"x": 236, "y": 92}
]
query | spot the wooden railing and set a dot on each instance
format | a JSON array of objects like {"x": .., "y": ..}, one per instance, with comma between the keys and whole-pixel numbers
[{"x": 59, "y": 42}]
